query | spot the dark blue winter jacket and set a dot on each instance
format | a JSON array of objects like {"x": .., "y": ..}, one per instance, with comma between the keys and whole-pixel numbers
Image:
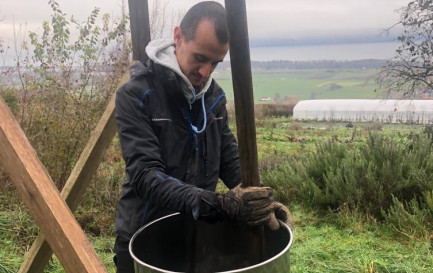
[{"x": 168, "y": 165}]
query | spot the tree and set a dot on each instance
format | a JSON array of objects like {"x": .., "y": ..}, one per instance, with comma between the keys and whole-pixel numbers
[
  {"x": 161, "y": 23},
  {"x": 63, "y": 79},
  {"x": 410, "y": 71}
]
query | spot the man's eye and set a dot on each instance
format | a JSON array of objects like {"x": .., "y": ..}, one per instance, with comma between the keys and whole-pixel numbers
[{"x": 199, "y": 58}]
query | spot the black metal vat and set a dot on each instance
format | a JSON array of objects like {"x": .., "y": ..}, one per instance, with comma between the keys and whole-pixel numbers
[{"x": 176, "y": 244}]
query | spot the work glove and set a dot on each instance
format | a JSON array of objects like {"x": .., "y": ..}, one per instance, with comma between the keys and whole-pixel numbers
[
  {"x": 250, "y": 206},
  {"x": 281, "y": 213},
  {"x": 247, "y": 205}
]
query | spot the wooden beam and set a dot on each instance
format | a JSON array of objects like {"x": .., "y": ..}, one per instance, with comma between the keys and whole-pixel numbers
[
  {"x": 43, "y": 200},
  {"x": 243, "y": 91},
  {"x": 40, "y": 253},
  {"x": 37, "y": 258},
  {"x": 140, "y": 29}
]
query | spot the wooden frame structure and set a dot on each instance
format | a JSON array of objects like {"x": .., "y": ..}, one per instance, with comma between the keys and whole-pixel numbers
[{"x": 53, "y": 211}]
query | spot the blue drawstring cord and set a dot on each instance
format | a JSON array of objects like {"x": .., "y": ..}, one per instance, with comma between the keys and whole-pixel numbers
[
  {"x": 212, "y": 106},
  {"x": 192, "y": 100},
  {"x": 194, "y": 128},
  {"x": 205, "y": 113},
  {"x": 142, "y": 97}
]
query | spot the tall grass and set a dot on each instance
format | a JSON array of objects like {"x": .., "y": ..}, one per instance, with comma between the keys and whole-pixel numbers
[{"x": 333, "y": 242}]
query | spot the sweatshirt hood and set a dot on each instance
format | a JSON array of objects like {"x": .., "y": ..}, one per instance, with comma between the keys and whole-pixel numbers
[{"x": 162, "y": 52}]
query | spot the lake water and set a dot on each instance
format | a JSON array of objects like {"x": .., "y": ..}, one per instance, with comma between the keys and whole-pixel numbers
[{"x": 340, "y": 52}]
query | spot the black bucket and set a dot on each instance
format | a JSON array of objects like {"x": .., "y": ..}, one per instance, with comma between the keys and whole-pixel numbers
[{"x": 177, "y": 244}]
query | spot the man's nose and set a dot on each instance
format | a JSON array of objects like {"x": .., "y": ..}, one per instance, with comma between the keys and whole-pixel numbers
[{"x": 205, "y": 70}]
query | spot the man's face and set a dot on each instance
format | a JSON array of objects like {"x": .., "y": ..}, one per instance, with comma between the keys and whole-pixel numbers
[{"x": 198, "y": 58}]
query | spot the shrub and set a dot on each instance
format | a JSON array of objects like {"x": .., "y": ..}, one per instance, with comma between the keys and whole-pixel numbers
[
  {"x": 380, "y": 177},
  {"x": 274, "y": 110},
  {"x": 65, "y": 79},
  {"x": 374, "y": 126},
  {"x": 411, "y": 218},
  {"x": 428, "y": 130},
  {"x": 277, "y": 178},
  {"x": 10, "y": 98}
]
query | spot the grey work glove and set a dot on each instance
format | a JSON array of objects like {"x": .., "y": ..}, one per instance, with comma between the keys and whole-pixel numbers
[
  {"x": 250, "y": 206},
  {"x": 281, "y": 213}
]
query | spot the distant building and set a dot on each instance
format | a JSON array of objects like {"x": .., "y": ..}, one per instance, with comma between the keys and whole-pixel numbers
[
  {"x": 364, "y": 110},
  {"x": 265, "y": 99}
]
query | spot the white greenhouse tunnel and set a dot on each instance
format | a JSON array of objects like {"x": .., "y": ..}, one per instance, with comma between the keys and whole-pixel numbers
[{"x": 365, "y": 110}]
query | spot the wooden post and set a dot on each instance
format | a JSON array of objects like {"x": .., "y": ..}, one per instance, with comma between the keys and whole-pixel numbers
[
  {"x": 244, "y": 107},
  {"x": 43, "y": 200},
  {"x": 243, "y": 91},
  {"x": 40, "y": 253},
  {"x": 140, "y": 29}
]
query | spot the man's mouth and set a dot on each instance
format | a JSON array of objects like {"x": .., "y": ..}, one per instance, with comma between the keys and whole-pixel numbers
[
  {"x": 196, "y": 78},
  {"x": 198, "y": 81}
]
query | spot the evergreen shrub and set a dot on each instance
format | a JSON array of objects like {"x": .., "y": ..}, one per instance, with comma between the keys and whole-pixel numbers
[
  {"x": 389, "y": 178},
  {"x": 65, "y": 74}
]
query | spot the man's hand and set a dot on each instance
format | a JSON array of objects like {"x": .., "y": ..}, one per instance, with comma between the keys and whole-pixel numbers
[
  {"x": 250, "y": 205},
  {"x": 281, "y": 213}
]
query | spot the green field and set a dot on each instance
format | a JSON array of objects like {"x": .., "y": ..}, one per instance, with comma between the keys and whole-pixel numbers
[{"x": 309, "y": 84}]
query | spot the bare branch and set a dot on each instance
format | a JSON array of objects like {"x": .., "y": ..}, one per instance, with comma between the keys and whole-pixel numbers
[{"x": 410, "y": 70}]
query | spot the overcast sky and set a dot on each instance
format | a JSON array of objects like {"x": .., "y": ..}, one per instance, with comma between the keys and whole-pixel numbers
[{"x": 296, "y": 20}]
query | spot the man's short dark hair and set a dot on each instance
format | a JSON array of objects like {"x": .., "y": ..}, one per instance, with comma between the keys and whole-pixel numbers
[{"x": 208, "y": 10}]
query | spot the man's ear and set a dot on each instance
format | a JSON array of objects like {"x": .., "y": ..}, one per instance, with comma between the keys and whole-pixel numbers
[{"x": 177, "y": 35}]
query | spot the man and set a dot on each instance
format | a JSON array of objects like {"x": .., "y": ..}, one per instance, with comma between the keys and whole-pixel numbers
[{"x": 175, "y": 139}]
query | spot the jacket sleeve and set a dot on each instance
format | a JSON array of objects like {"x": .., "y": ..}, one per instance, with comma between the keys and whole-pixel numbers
[
  {"x": 229, "y": 165},
  {"x": 141, "y": 152}
]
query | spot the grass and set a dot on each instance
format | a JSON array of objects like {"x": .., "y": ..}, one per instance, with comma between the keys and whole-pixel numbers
[
  {"x": 341, "y": 243},
  {"x": 103, "y": 247},
  {"x": 323, "y": 243},
  {"x": 329, "y": 242},
  {"x": 17, "y": 232}
]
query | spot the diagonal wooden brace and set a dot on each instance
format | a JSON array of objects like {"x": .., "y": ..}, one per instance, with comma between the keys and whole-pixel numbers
[
  {"x": 40, "y": 253},
  {"x": 43, "y": 200}
]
